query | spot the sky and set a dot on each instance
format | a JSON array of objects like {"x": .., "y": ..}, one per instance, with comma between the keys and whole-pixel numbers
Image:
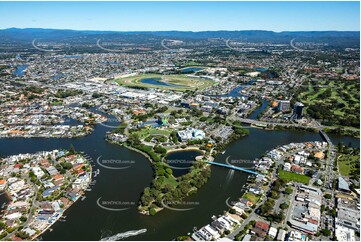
[{"x": 182, "y": 16}]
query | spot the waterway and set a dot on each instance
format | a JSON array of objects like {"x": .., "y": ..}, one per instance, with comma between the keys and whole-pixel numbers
[
  {"x": 191, "y": 69},
  {"x": 19, "y": 71},
  {"x": 88, "y": 221},
  {"x": 259, "y": 110},
  {"x": 235, "y": 92},
  {"x": 158, "y": 82},
  {"x": 181, "y": 161}
]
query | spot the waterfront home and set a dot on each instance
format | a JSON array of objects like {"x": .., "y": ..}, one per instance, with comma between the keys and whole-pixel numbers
[
  {"x": 214, "y": 234},
  {"x": 73, "y": 194},
  {"x": 247, "y": 203},
  {"x": 80, "y": 183},
  {"x": 256, "y": 190},
  {"x": 239, "y": 208},
  {"x": 64, "y": 201}
]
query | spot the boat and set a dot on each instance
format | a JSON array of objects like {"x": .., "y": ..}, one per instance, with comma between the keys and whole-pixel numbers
[
  {"x": 83, "y": 198},
  {"x": 223, "y": 152}
]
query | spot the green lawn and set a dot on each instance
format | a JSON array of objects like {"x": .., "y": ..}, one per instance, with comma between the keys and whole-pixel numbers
[
  {"x": 290, "y": 176},
  {"x": 344, "y": 167},
  {"x": 345, "y": 164},
  {"x": 143, "y": 133},
  {"x": 251, "y": 197},
  {"x": 171, "y": 181}
]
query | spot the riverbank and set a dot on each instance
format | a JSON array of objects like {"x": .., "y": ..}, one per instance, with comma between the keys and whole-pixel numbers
[{"x": 185, "y": 149}]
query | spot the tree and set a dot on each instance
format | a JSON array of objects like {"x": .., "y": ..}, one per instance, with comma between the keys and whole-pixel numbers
[
  {"x": 72, "y": 150},
  {"x": 22, "y": 218},
  {"x": 169, "y": 171},
  {"x": 284, "y": 206},
  {"x": 203, "y": 118},
  {"x": 288, "y": 190},
  {"x": 22, "y": 235},
  {"x": 134, "y": 140},
  {"x": 326, "y": 232},
  {"x": 159, "y": 149},
  {"x": 152, "y": 211}
]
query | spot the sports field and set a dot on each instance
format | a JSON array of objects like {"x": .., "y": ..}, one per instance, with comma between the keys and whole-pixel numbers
[{"x": 169, "y": 82}]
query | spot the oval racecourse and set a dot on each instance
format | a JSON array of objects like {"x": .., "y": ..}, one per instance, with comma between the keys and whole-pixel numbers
[{"x": 177, "y": 82}]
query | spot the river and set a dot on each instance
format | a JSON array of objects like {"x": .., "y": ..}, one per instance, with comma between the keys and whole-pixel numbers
[{"x": 88, "y": 221}]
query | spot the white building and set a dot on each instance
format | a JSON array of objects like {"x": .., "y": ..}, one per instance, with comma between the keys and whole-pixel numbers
[{"x": 191, "y": 134}]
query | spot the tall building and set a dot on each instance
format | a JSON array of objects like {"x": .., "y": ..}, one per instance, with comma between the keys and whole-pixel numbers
[
  {"x": 298, "y": 110},
  {"x": 284, "y": 106}
]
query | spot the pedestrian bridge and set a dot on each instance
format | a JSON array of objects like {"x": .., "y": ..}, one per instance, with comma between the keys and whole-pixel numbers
[{"x": 232, "y": 167}]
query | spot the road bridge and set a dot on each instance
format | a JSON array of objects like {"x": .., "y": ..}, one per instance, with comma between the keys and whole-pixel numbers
[
  {"x": 232, "y": 167},
  {"x": 325, "y": 136}
]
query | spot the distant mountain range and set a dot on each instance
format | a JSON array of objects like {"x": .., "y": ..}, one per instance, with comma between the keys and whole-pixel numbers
[{"x": 28, "y": 34}]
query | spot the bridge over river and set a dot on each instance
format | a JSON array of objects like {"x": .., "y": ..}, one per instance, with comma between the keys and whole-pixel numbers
[{"x": 233, "y": 167}]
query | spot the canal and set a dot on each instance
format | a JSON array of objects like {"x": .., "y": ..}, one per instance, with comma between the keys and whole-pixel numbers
[{"x": 86, "y": 220}]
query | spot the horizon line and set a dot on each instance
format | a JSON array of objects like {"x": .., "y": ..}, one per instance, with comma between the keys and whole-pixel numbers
[{"x": 193, "y": 31}]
